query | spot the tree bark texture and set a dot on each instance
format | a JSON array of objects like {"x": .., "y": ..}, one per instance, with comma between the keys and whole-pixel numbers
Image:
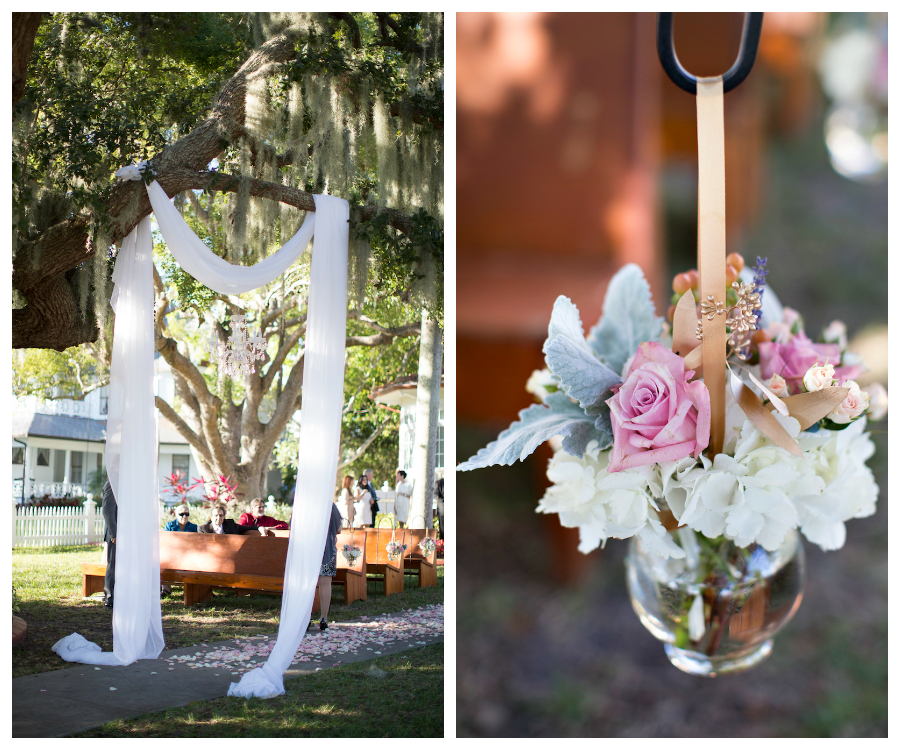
[
  {"x": 24, "y": 29},
  {"x": 428, "y": 402}
]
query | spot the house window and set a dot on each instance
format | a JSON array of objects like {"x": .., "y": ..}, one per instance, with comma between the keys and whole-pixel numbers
[
  {"x": 181, "y": 464},
  {"x": 408, "y": 438},
  {"x": 59, "y": 465},
  {"x": 18, "y": 456},
  {"x": 104, "y": 400},
  {"x": 76, "y": 470},
  {"x": 43, "y": 457},
  {"x": 99, "y": 461}
]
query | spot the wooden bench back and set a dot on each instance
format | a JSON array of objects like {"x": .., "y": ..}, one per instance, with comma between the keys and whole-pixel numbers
[
  {"x": 416, "y": 537},
  {"x": 376, "y": 546},
  {"x": 357, "y": 539},
  {"x": 248, "y": 554}
]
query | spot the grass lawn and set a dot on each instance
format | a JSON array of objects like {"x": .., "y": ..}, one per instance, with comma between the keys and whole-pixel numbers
[{"x": 392, "y": 696}]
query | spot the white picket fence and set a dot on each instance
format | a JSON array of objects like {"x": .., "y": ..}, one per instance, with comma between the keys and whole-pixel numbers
[{"x": 48, "y": 527}]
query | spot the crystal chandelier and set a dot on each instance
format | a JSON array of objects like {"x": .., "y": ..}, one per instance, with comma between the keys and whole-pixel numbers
[{"x": 237, "y": 355}]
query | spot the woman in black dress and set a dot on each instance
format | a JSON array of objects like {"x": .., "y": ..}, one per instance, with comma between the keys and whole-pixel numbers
[{"x": 329, "y": 564}]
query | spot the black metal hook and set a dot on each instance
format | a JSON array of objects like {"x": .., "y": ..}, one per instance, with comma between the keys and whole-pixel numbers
[{"x": 665, "y": 46}]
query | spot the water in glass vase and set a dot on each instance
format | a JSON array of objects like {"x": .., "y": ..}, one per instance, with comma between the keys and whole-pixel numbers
[{"x": 717, "y": 608}]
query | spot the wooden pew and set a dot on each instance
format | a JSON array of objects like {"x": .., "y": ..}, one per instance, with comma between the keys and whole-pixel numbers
[
  {"x": 351, "y": 577},
  {"x": 417, "y": 563},
  {"x": 377, "y": 563},
  {"x": 202, "y": 562}
]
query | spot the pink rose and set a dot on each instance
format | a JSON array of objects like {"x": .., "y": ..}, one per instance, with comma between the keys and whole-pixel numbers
[
  {"x": 657, "y": 415},
  {"x": 792, "y": 360}
]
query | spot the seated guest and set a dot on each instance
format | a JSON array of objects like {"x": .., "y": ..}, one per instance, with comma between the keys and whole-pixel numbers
[
  {"x": 256, "y": 518},
  {"x": 181, "y": 522},
  {"x": 218, "y": 524}
]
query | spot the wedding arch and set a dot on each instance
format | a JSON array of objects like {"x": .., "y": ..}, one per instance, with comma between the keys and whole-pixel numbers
[{"x": 131, "y": 457}]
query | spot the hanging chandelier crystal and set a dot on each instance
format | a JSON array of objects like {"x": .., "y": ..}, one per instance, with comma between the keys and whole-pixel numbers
[{"x": 237, "y": 355}]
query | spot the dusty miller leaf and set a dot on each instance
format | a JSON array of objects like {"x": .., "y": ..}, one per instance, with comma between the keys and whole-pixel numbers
[
  {"x": 536, "y": 425},
  {"x": 629, "y": 318},
  {"x": 581, "y": 375}
]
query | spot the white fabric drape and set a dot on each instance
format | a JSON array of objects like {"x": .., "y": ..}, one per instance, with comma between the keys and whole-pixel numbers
[
  {"x": 131, "y": 465},
  {"x": 216, "y": 273},
  {"x": 320, "y": 432},
  {"x": 131, "y": 452}
]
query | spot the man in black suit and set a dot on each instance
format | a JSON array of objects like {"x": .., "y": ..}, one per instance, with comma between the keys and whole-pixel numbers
[
  {"x": 218, "y": 524},
  {"x": 439, "y": 496},
  {"x": 110, "y": 512}
]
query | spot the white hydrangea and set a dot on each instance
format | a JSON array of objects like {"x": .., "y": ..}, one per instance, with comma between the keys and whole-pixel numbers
[
  {"x": 755, "y": 495},
  {"x": 747, "y": 497},
  {"x": 849, "y": 489},
  {"x": 602, "y": 505},
  {"x": 763, "y": 491}
]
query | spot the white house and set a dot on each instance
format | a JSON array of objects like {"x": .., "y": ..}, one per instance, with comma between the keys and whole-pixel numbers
[
  {"x": 58, "y": 444},
  {"x": 402, "y": 394}
]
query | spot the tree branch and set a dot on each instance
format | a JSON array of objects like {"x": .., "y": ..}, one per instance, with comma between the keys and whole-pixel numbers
[
  {"x": 180, "y": 178},
  {"x": 369, "y": 440},
  {"x": 183, "y": 428}
]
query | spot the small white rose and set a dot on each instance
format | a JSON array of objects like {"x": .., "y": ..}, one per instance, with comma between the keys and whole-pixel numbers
[
  {"x": 836, "y": 333},
  {"x": 818, "y": 377},
  {"x": 878, "y": 402},
  {"x": 855, "y": 403}
]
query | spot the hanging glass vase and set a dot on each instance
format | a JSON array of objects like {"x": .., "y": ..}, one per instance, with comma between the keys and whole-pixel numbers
[{"x": 718, "y": 608}]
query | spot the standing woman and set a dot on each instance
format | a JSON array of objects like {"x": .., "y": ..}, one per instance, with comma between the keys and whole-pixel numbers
[
  {"x": 401, "y": 502},
  {"x": 364, "y": 503},
  {"x": 345, "y": 501},
  {"x": 329, "y": 565}
]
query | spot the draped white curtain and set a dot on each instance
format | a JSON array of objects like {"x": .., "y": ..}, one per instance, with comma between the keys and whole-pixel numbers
[{"x": 131, "y": 449}]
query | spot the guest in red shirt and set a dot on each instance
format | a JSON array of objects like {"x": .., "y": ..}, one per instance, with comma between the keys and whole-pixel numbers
[{"x": 257, "y": 518}]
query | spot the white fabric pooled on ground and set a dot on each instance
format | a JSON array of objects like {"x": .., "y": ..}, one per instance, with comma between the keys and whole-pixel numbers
[{"x": 77, "y": 648}]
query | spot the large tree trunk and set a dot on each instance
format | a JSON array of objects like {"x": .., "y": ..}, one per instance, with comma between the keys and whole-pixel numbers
[
  {"x": 428, "y": 402},
  {"x": 228, "y": 438},
  {"x": 24, "y": 28}
]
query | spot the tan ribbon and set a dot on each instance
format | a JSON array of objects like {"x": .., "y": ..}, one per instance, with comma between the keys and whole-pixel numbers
[
  {"x": 709, "y": 357},
  {"x": 761, "y": 418},
  {"x": 809, "y": 408},
  {"x": 711, "y": 245}
]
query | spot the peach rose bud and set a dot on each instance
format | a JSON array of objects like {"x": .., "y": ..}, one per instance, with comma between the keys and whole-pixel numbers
[
  {"x": 836, "y": 333},
  {"x": 778, "y": 385},
  {"x": 878, "y": 401}
]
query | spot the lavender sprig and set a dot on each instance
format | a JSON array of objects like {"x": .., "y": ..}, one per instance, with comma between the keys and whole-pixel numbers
[
  {"x": 759, "y": 281},
  {"x": 759, "y": 284}
]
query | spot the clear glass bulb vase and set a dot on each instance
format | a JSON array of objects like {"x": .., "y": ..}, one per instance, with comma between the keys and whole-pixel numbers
[{"x": 718, "y": 608}]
